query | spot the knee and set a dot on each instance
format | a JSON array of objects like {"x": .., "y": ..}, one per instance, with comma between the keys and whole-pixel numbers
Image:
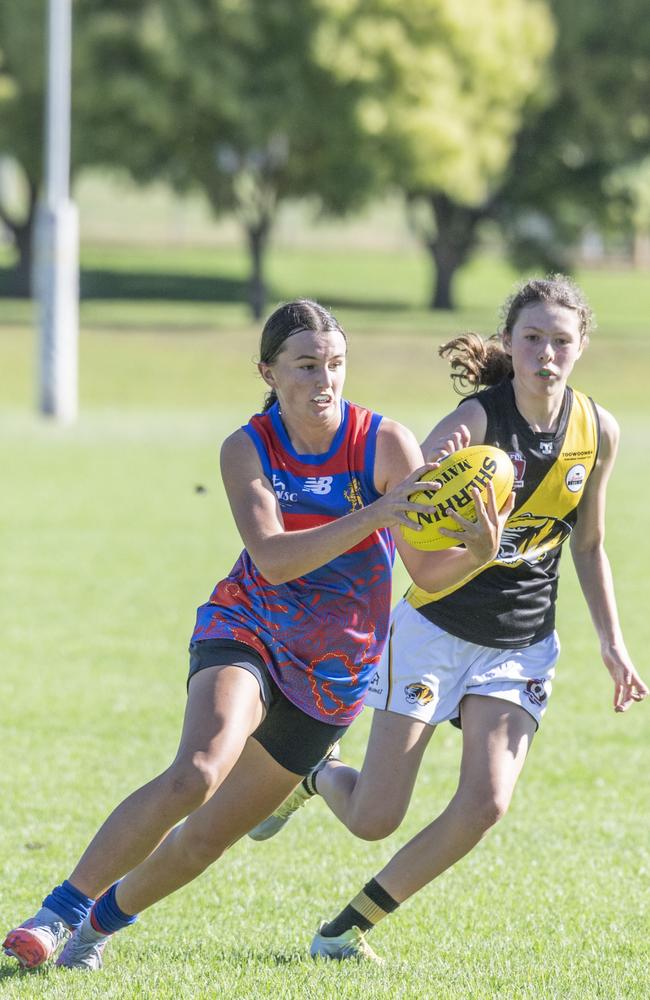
[
  {"x": 375, "y": 825},
  {"x": 192, "y": 779},
  {"x": 488, "y": 807},
  {"x": 197, "y": 850}
]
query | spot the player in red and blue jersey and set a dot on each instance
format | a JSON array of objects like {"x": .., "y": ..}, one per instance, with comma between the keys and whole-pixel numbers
[
  {"x": 320, "y": 635},
  {"x": 282, "y": 654}
]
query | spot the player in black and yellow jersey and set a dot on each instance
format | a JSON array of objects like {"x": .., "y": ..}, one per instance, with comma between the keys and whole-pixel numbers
[{"x": 482, "y": 655}]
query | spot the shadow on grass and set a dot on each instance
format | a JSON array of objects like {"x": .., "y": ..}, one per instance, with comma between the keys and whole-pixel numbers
[
  {"x": 336, "y": 302},
  {"x": 137, "y": 285},
  {"x": 98, "y": 283},
  {"x": 12, "y": 970}
]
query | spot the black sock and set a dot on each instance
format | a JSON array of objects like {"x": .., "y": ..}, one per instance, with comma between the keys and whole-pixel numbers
[{"x": 371, "y": 905}]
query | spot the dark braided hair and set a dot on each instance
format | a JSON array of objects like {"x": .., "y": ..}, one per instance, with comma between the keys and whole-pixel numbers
[
  {"x": 292, "y": 317},
  {"x": 476, "y": 362}
]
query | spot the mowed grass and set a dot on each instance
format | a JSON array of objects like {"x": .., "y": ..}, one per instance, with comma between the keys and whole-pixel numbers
[{"x": 106, "y": 547}]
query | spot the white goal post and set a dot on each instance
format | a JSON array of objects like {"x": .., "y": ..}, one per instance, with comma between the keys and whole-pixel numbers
[{"x": 56, "y": 258}]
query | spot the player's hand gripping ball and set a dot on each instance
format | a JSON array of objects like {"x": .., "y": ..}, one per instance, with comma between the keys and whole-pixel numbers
[{"x": 458, "y": 474}]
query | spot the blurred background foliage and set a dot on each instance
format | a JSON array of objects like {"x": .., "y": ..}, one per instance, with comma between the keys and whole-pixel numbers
[{"x": 522, "y": 124}]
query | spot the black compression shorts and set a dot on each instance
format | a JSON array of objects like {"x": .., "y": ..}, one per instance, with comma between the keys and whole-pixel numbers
[{"x": 294, "y": 739}]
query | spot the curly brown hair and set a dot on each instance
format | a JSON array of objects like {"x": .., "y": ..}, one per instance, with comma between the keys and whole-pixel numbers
[{"x": 477, "y": 362}]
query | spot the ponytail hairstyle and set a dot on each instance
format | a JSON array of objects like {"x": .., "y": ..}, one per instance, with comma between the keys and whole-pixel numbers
[
  {"x": 292, "y": 317},
  {"x": 476, "y": 362}
]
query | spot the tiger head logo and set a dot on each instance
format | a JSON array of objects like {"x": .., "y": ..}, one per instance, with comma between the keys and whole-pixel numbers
[
  {"x": 529, "y": 537},
  {"x": 418, "y": 692}
]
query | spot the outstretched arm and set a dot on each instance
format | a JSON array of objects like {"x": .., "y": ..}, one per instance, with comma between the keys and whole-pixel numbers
[{"x": 595, "y": 575}]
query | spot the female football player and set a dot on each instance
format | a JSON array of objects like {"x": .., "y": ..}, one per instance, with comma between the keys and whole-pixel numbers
[
  {"x": 282, "y": 653},
  {"x": 482, "y": 654}
]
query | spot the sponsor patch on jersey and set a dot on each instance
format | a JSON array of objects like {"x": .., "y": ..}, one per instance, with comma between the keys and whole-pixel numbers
[
  {"x": 536, "y": 691},
  {"x": 418, "y": 692},
  {"x": 545, "y": 447},
  {"x": 575, "y": 478},
  {"x": 375, "y": 685},
  {"x": 519, "y": 463},
  {"x": 282, "y": 492}
]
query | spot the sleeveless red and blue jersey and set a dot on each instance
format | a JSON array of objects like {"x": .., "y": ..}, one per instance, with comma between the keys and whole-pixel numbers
[{"x": 321, "y": 634}]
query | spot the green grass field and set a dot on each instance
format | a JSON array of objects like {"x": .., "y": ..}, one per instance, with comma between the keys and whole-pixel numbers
[{"x": 105, "y": 550}]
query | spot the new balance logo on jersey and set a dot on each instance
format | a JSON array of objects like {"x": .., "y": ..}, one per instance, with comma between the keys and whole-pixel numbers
[{"x": 318, "y": 484}]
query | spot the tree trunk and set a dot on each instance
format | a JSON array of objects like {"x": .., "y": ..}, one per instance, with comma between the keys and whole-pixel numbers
[
  {"x": 21, "y": 278},
  {"x": 257, "y": 241},
  {"x": 445, "y": 266},
  {"x": 22, "y": 232},
  {"x": 455, "y": 237}
]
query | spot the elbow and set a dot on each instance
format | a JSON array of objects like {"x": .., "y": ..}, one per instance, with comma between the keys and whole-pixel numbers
[
  {"x": 273, "y": 574},
  {"x": 437, "y": 570},
  {"x": 277, "y": 579},
  {"x": 272, "y": 563},
  {"x": 427, "y": 578},
  {"x": 424, "y": 581},
  {"x": 421, "y": 573},
  {"x": 587, "y": 550}
]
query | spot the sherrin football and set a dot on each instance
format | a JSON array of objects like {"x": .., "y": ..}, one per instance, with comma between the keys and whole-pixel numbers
[{"x": 457, "y": 474}]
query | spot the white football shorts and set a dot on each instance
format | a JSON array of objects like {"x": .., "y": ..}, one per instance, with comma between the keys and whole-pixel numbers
[{"x": 425, "y": 672}]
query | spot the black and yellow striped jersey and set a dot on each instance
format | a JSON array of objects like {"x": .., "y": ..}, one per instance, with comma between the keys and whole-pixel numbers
[{"x": 511, "y": 603}]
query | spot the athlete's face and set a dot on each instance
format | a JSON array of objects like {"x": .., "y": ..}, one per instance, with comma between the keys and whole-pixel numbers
[
  {"x": 308, "y": 376},
  {"x": 544, "y": 344}
]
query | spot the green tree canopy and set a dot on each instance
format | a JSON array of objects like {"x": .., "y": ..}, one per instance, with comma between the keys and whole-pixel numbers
[
  {"x": 596, "y": 120},
  {"x": 117, "y": 118},
  {"x": 21, "y": 118},
  {"x": 447, "y": 87},
  {"x": 258, "y": 118}
]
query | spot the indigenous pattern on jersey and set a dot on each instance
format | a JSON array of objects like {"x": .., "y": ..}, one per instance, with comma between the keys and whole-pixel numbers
[
  {"x": 320, "y": 634},
  {"x": 511, "y": 603}
]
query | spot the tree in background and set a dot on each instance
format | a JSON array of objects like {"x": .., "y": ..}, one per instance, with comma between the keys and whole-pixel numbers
[
  {"x": 459, "y": 105},
  {"x": 447, "y": 87},
  {"x": 595, "y": 120},
  {"x": 219, "y": 95},
  {"x": 257, "y": 118},
  {"x": 117, "y": 118},
  {"x": 21, "y": 126},
  {"x": 628, "y": 190}
]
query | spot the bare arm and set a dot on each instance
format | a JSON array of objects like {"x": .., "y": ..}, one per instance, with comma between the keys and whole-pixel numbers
[
  {"x": 595, "y": 575},
  {"x": 466, "y": 425},
  {"x": 435, "y": 571},
  {"x": 284, "y": 555}
]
